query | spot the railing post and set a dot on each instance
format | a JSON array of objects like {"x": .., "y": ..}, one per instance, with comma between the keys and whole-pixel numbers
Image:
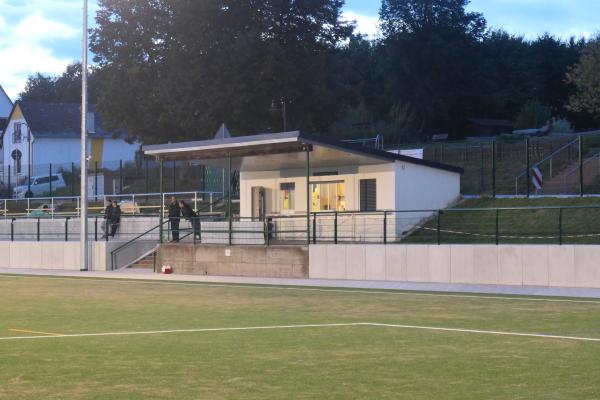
[
  {"x": 497, "y": 226},
  {"x": 38, "y": 229},
  {"x": 52, "y": 207},
  {"x": 120, "y": 176},
  {"x": 195, "y": 201},
  {"x": 528, "y": 160},
  {"x": 96, "y": 229},
  {"x": 66, "y": 229},
  {"x": 50, "y": 178},
  {"x": 314, "y": 228},
  {"x": 439, "y": 227},
  {"x": 73, "y": 178},
  {"x": 560, "y": 227},
  {"x": 147, "y": 182},
  {"x": 162, "y": 198},
  {"x": 385, "y": 227},
  {"x": 96, "y": 181},
  {"x": 335, "y": 227},
  {"x": 28, "y": 207},
  {"x": 494, "y": 168},
  {"x": 211, "y": 202},
  {"x": 12, "y": 229},
  {"x": 580, "y": 166}
]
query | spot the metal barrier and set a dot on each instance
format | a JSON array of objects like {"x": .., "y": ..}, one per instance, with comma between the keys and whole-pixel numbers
[{"x": 133, "y": 204}]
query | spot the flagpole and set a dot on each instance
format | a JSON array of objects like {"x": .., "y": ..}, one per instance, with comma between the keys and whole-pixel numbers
[{"x": 83, "y": 243}]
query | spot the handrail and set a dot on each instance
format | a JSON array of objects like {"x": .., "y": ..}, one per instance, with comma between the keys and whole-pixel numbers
[
  {"x": 166, "y": 221},
  {"x": 555, "y": 152},
  {"x": 575, "y": 169}
]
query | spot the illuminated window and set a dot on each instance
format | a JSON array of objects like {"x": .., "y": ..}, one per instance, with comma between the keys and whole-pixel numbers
[
  {"x": 328, "y": 196},
  {"x": 287, "y": 191},
  {"x": 17, "y": 132}
]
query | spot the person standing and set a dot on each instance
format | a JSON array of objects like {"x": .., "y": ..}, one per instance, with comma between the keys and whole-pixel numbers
[
  {"x": 174, "y": 217},
  {"x": 115, "y": 218},
  {"x": 107, "y": 213}
]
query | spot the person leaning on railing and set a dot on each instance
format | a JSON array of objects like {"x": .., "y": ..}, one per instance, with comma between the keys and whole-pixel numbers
[
  {"x": 115, "y": 218},
  {"x": 191, "y": 216}
]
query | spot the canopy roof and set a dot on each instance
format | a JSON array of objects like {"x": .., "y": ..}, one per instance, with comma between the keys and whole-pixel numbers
[{"x": 277, "y": 151}]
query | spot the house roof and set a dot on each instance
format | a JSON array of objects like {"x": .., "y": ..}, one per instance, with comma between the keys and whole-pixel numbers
[
  {"x": 60, "y": 120},
  {"x": 7, "y": 100},
  {"x": 284, "y": 151}
]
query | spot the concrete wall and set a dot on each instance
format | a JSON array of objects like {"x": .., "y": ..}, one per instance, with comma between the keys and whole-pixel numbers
[
  {"x": 53, "y": 255},
  {"x": 252, "y": 261},
  {"x": 528, "y": 265}
]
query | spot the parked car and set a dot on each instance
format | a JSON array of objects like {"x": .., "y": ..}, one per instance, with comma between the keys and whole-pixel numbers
[{"x": 40, "y": 185}]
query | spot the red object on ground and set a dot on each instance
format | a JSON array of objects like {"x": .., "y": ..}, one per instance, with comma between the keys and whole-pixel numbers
[{"x": 166, "y": 269}]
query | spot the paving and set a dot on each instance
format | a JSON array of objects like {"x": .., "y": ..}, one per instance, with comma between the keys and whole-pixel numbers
[{"x": 348, "y": 284}]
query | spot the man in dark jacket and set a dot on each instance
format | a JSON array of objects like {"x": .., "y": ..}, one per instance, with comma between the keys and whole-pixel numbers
[
  {"x": 107, "y": 213},
  {"x": 115, "y": 218},
  {"x": 174, "y": 216},
  {"x": 190, "y": 215}
]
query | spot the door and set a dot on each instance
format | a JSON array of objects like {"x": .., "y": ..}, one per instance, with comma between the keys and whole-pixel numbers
[{"x": 258, "y": 203}]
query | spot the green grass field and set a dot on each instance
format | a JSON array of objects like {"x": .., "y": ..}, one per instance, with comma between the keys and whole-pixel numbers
[
  {"x": 319, "y": 362},
  {"x": 578, "y": 226}
]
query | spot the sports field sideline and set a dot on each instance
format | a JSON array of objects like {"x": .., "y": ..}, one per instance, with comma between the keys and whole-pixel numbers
[{"x": 66, "y": 338}]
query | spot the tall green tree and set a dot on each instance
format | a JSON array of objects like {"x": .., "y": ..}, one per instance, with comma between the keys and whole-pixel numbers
[
  {"x": 176, "y": 69},
  {"x": 585, "y": 77},
  {"x": 430, "y": 52},
  {"x": 65, "y": 88}
]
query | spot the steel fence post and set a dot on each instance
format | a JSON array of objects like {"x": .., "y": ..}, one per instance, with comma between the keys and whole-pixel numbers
[
  {"x": 335, "y": 227},
  {"x": 314, "y": 228},
  {"x": 528, "y": 160},
  {"x": 497, "y": 226},
  {"x": 494, "y": 168},
  {"x": 96, "y": 181},
  {"x": 50, "y": 178},
  {"x": 385, "y": 227},
  {"x": 560, "y": 227},
  {"x": 73, "y": 179},
  {"x": 66, "y": 229},
  {"x": 96, "y": 229},
  {"x": 439, "y": 227},
  {"x": 38, "y": 229},
  {"x": 120, "y": 176},
  {"x": 581, "y": 166},
  {"x": 147, "y": 182},
  {"x": 12, "y": 229}
]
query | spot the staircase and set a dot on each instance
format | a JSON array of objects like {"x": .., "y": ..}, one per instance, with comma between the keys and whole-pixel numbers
[{"x": 146, "y": 263}]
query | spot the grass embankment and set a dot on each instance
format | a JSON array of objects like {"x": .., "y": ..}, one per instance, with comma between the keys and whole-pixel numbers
[
  {"x": 578, "y": 226},
  {"x": 361, "y": 362}
]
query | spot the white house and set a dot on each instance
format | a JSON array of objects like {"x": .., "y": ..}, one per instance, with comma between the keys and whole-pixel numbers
[
  {"x": 6, "y": 106},
  {"x": 284, "y": 175},
  {"x": 38, "y": 134}
]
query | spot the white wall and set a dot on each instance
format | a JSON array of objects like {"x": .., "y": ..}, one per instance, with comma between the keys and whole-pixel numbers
[
  {"x": 53, "y": 255},
  {"x": 271, "y": 180},
  {"x": 521, "y": 265}
]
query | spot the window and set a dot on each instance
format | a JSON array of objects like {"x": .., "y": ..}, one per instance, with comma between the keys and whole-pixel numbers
[
  {"x": 287, "y": 191},
  {"x": 17, "y": 132},
  {"x": 368, "y": 194},
  {"x": 328, "y": 196}
]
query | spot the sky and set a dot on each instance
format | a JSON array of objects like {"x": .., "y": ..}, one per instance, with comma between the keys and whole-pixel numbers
[{"x": 44, "y": 35}]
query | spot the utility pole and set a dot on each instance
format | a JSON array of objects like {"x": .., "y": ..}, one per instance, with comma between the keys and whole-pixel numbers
[{"x": 84, "y": 107}]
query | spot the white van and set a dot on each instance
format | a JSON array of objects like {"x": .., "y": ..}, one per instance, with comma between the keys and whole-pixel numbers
[{"x": 40, "y": 185}]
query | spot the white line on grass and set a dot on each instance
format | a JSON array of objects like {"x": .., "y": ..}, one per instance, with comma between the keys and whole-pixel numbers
[
  {"x": 484, "y": 332},
  {"x": 349, "y": 324},
  {"x": 160, "y": 332},
  {"x": 391, "y": 291}
]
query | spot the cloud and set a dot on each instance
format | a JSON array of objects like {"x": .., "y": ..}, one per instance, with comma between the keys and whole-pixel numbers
[
  {"x": 29, "y": 41},
  {"x": 365, "y": 24}
]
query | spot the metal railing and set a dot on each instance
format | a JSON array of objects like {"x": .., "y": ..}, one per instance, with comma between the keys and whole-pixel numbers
[{"x": 131, "y": 204}]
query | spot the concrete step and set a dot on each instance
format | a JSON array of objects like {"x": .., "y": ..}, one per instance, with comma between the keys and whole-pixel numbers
[{"x": 144, "y": 263}]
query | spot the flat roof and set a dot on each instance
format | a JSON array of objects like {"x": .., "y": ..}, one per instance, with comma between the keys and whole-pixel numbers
[{"x": 285, "y": 151}]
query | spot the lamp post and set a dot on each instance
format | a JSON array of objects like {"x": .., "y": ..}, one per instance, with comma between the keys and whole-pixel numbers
[
  {"x": 83, "y": 244},
  {"x": 29, "y": 159}
]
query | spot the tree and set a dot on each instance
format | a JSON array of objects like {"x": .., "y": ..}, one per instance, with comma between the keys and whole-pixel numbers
[
  {"x": 429, "y": 53},
  {"x": 585, "y": 76},
  {"x": 65, "y": 88},
  {"x": 175, "y": 69}
]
